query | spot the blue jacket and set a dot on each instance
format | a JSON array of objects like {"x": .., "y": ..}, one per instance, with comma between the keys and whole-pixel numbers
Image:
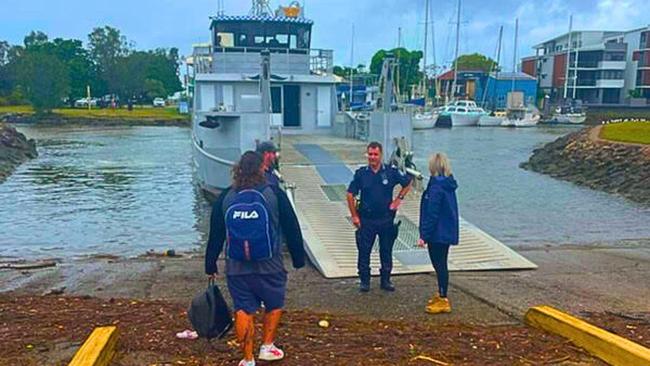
[{"x": 439, "y": 212}]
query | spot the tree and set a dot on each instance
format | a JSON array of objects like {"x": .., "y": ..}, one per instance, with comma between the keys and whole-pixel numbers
[
  {"x": 106, "y": 46},
  {"x": 409, "y": 67},
  {"x": 5, "y": 84},
  {"x": 130, "y": 75},
  {"x": 476, "y": 61},
  {"x": 9, "y": 56},
  {"x": 163, "y": 65},
  {"x": 35, "y": 38},
  {"x": 4, "y": 52},
  {"x": 78, "y": 64},
  {"x": 43, "y": 78},
  {"x": 154, "y": 88},
  {"x": 344, "y": 71}
]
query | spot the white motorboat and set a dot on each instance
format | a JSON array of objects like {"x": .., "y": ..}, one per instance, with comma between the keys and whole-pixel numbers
[
  {"x": 521, "y": 117},
  {"x": 462, "y": 113},
  {"x": 569, "y": 116},
  {"x": 492, "y": 119},
  {"x": 423, "y": 121}
]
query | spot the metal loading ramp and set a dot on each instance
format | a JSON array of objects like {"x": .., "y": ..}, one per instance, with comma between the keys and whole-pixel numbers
[{"x": 330, "y": 242}]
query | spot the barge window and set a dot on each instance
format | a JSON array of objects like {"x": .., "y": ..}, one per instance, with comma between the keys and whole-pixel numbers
[
  {"x": 283, "y": 39},
  {"x": 225, "y": 39},
  {"x": 243, "y": 40}
]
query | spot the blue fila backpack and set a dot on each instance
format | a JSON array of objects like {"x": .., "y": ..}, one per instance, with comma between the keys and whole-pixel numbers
[{"x": 249, "y": 232}]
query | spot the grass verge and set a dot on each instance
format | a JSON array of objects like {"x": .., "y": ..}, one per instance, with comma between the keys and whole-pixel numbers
[
  {"x": 631, "y": 132},
  {"x": 147, "y": 113}
]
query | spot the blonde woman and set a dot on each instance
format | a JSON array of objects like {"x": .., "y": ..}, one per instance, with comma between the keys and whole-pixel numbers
[{"x": 439, "y": 225}]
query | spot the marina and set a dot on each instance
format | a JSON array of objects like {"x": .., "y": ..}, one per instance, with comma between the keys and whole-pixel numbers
[
  {"x": 110, "y": 225},
  {"x": 231, "y": 118}
]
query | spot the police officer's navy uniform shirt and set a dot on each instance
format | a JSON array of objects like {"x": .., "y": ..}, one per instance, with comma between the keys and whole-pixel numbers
[{"x": 377, "y": 189}]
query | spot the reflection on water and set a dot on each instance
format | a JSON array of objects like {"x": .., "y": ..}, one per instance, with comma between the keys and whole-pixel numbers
[
  {"x": 126, "y": 190},
  {"x": 109, "y": 178},
  {"x": 521, "y": 207},
  {"x": 103, "y": 190}
]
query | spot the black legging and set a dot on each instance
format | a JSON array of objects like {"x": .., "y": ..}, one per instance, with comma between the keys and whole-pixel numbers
[{"x": 438, "y": 255}]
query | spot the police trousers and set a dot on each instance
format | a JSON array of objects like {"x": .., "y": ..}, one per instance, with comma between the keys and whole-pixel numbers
[{"x": 366, "y": 235}]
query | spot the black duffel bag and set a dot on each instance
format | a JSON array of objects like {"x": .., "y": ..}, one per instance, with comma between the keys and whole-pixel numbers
[{"x": 210, "y": 314}]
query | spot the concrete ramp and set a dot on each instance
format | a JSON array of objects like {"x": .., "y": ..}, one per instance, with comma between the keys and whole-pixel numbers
[{"x": 331, "y": 246}]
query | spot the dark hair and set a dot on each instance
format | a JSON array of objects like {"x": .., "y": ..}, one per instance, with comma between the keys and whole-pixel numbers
[
  {"x": 375, "y": 145},
  {"x": 247, "y": 173}
]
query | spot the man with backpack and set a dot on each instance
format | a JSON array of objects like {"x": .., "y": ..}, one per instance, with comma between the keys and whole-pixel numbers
[{"x": 250, "y": 218}]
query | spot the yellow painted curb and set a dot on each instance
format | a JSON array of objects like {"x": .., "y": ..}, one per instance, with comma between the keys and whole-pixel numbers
[
  {"x": 609, "y": 347},
  {"x": 98, "y": 349}
]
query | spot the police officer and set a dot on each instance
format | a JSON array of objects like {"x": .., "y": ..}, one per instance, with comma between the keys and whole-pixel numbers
[
  {"x": 376, "y": 213},
  {"x": 270, "y": 156}
]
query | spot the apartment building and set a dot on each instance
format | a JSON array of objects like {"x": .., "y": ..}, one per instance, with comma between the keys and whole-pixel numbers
[{"x": 596, "y": 67}]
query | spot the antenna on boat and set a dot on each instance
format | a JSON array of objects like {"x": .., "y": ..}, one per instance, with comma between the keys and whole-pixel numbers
[
  {"x": 261, "y": 8},
  {"x": 220, "y": 7}
]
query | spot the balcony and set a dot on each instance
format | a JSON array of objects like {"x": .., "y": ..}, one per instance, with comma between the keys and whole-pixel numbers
[
  {"x": 585, "y": 83},
  {"x": 611, "y": 65},
  {"x": 615, "y": 46},
  {"x": 610, "y": 83},
  {"x": 584, "y": 64},
  {"x": 246, "y": 60}
]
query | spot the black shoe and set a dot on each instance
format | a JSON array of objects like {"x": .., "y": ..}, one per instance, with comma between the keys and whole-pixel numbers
[
  {"x": 386, "y": 285},
  {"x": 364, "y": 286},
  {"x": 364, "y": 283}
]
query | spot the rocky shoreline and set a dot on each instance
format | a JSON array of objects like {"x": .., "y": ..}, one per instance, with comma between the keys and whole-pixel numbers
[
  {"x": 55, "y": 120},
  {"x": 585, "y": 159},
  {"x": 15, "y": 148}
]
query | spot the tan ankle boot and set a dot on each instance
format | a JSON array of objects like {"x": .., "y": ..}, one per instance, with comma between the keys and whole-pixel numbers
[{"x": 439, "y": 305}]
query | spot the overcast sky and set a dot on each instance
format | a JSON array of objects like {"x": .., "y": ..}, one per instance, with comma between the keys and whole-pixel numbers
[{"x": 180, "y": 23}]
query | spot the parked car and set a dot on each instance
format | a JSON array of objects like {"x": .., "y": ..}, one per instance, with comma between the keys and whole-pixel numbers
[
  {"x": 158, "y": 102},
  {"x": 83, "y": 102}
]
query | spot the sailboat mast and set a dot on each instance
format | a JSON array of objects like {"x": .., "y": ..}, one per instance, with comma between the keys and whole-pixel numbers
[
  {"x": 435, "y": 62},
  {"x": 351, "y": 67},
  {"x": 494, "y": 68},
  {"x": 514, "y": 55},
  {"x": 568, "y": 54},
  {"x": 453, "y": 86},
  {"x": 499, "y": 52},
  {"x": 423, "y": 89},
  {"x": 575, "y": 71}
]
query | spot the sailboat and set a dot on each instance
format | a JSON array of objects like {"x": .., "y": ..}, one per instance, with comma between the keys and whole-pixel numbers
[
  {"x": 517, "y": 114},
  {"x": 570, "y": 113},
  {"x": 460, "y": 112},
  {"x": 493, "y": 118},
  {"x": 425, "y": 120}
]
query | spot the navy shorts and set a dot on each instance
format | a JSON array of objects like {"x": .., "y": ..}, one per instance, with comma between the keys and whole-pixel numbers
[{"x": 249, "y": 291}]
